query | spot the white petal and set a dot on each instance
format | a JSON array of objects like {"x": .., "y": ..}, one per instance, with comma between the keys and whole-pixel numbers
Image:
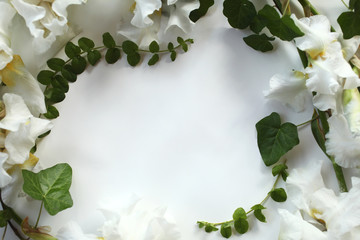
[
  {"x": 349, "y": 46},
  {"x": 6, "y": 54},
  {"x": 341, "y": 143},
  {"x": 17, "y": 112},
  {"x": 289, "y": 89},
  {"x": 143, "y": 9},
  {"x": 5, "y": 178},
  {"x": 179, "y": 15},
  {"x": 7, "y": 13},
  {"x": 72, "y": 231},
  {"x": 293, "y": 227},
  {"x": 302, "y": 183}
]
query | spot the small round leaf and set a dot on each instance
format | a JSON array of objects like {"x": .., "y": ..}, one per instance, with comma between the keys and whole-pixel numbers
[
  {"x": 93, "y": 57},
  {"x": 241, "y": 226},
  {"x": 71, "y": 50},
  {"x": 226, "y": 231},
  {"x": 55, "y": 64},
  {"x": 129, "y": 47},
  {"x": 78, "y": 64},
  {"x": 278, "y": 195},
  {"x": 108, "y": 40},
  {"x": 154, "y": 47},
  {"x": 52, "y": 112},
  {"x": 154, "y": 59},
  {"x": 86, "y": 44},
  {"x": 112, "y": 55},
  {"x": 68, "y": 73},
  {"x": 44, "y": 77},
  {"x": 133, "y": 59}
]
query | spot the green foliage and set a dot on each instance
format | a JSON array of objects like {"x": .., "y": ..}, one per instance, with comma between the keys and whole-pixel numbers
[
  {"x": 52, "y": 112},
  {"x": 280, "y": 169},
  {"x": 35, "y": 233},
  {"x": 129, "y": 47},
  {"x": 61, "y": 83},
  {"x": 55, "y": 64},
  {"x": 173, "y": 55},
  {"x": 240, "y": 13},
  {"x": 86, "y": 44},
  {"x": 282, "y": 27},
  {"x": 349, "y": 23},
  {"x": 354, "y": 4},
  {"x": 71, "y": 50},
  {"x": 154, "y": 59},
  {"x": 44, "y": 77},
  {"x": 93, "y": 57},
  {"x": 258, "y": 212},
  {"x": 182, "y": 43},
  {"x": 5, "y": 216},
  {"x": 108, "y": 40},
  {"x": 241, "y": 225},
  {"x": 239, "y": 213},
  {"x": 78, "y": 64},
  {"x": 154, "y": 47},
  {"x": 54, "y": 95},
  {"x": 278, "y": 195},
  {"x": 133, "y": 58},
  {"x": 112, "y": 55},
  {"x": 275, "y": 139},
  {"x": 201, "y": 11},
  {"x": 319, "y": 128},
  {"x": 68, "y": 73},
  {"x": 226, "y": 230},
  {"x": 259, "y": 42},
  {"x": 50, "y": 186}
]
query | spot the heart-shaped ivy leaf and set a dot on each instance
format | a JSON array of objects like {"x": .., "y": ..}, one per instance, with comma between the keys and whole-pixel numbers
[
  {"x": 50, "y": 186},
  {"x": 275, "y": 139}
]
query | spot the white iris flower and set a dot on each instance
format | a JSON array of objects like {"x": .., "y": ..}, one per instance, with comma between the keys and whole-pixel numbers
[{"x": 7, "y": 13}]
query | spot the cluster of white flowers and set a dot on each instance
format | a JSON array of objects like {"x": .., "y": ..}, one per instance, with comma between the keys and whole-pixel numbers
[{"x": 140, "y": 219}]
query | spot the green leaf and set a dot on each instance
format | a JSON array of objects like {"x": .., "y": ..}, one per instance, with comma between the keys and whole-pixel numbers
[
  {"x": 129, "y": 47},
  {"x": 173, "y": 55},
  {"x": 201, "y": 11},
  {"x": 259, "y": 42},
  {"x": 240, "y": 13},
  {"x": 55, "y": 95},
  {"x": 239, "y": 214},
  {"x": 68, "y": 73},
  {"x": 52, "y": 112},
  {"x": 5, "y": 216},
  {"x": 44, "y": 77},
  {"x": 60, "y": 83},
  {"x": 86, "y": 44},
  {"x": 210, "y": 228},
  {"x": 112, "y": 55},
  {"x": 282, "y": 27},
  {"x": 275, "y": 139},
  {"x": 319, "y": 128},
  {"x": 278, "y": 169},
  {"x": 354, "y": 4},
  {"x": 133, "y": 59},
  {"x": 256, "y": 25},
  {"x": 55, "y": 64},
  {"x": 78, "y": 64},
  {"x": 71, "y": 50},
  {"x": 259, "y": 215},
  {"x": 93, "y": 57},
  {"x": 185, "y": 47},
  {"x": 154, "y": 47},
  {"x": 44, "y": 134},
  {"x": 225, "y": 230},
  {"x": 201, "y": 224},
  {"x": 108, "y": 40},
  {"x": 154, "y": 59},
  {"x": 170, "y": 46},
  {"x": 180, "y": 40},
  {"x": 50, "y": 186},
  {"x": 349, "y": 23},
  {"x": 241, "y": 225},
  {"x": 278, "y": 195}
]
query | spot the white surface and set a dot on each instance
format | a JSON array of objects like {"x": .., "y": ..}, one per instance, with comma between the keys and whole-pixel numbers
[{"x": 182, "y": 133}]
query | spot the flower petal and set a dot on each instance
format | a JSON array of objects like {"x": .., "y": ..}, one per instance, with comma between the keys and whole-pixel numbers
[
  {"x": 72, "y": 231},
  {"x": 143, "y": 9},
  {"x": 179, "y": 15},
  {"x": 5, "y": 178}
]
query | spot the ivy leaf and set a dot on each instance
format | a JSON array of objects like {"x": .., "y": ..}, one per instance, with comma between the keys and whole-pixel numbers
[
  {"x": 68, "y": 73},
  {"x": 278, "y": 195},
  {"x": 239, "y": 214},
  {"x": 133, "y": 59},
  {"x": 86, "y": 44},
  {"x": 201, "y": 11},
  {"x": 154, "y": 47},
  {"x": 45, "y": 76},
  {"x": 60, "y": 83},
  {"x": 129, "y": 47},
  {"x": 282, "y": 27},
  {"x": 112, "y": 55},
  {"x": 241, "y": 225},
  {"x": 225, "y": 230},
  {"x": 240, "y": 13},
  {"x": 154, "y": 59},
  {"x": 71, "y": 50},
  {"x": 5, "y": 216},
  {"x": 93, "y": 57},
  {"x": 256, "y": 25},
  {"x": 78, "y": 64},
  {"x": 55, "y": 64},
  {"x": 52, "y": 112},
  {"x": 50, "y": 186},
  {"x": 35, "y": 233},
  {"x": 108, "y": 40},
  {"x": 349, "y": 23},
  {"x": 55, "y": 95},
  {"x": 275, "y": 139},
  {"x": 259, "y": 42}
]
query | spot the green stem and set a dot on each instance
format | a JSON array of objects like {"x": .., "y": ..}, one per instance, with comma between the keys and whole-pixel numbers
[
  {"x": 339, "y": 176},
  {"x": 345, "y": 4},
  {"x": 307, "y": 122},
  {"x": 248, "y": 212},
  {"x": 38, "y": 218},
  {"x": 4, "y": 233},
  {"x": 307, "y": 5}
]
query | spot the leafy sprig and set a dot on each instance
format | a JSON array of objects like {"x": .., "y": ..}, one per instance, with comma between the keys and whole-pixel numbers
[
  {"x": 239, "y": 222},
  {"x": 62, "y": 72}
]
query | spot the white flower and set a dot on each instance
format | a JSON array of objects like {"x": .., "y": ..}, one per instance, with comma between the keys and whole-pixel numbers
[
  {"x": 18, "y": 80},
  {"x": 46, "y": 19},
  {"x": 7, "y": 13},
  {"x": 143, "y": 9},
  {"x": 72, "y": 231},
  {"x": 289, "y": 89},
  {"x": 21, "y": 128},
  {"x": 343, "y": 138},
  {"x": 138, "y": 221},
  {"x": 335, "y": 216}
]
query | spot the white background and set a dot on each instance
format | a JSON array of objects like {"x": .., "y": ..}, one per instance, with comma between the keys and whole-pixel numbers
[{"x": 179, "y": 133}]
